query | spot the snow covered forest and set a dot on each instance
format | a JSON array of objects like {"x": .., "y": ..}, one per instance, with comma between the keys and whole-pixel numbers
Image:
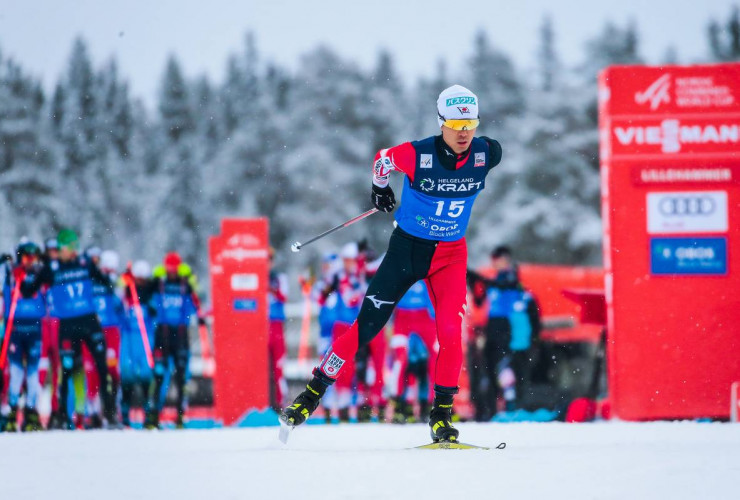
[{"x": 296, "y": 146}]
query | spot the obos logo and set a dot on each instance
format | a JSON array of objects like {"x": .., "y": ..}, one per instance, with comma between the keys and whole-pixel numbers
[{"x": 426, "y": 184}]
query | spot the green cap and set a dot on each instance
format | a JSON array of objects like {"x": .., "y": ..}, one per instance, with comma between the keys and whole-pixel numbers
[{"x": 67, "y": 238}]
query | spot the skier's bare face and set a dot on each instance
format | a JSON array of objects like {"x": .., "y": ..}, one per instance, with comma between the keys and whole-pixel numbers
[
  {"x": 502, "y": 263},
  {"x": 66, "y": 254},
  {"x": 28, "y": 262},
  {"x": 458, "y": 140},
  {"x": 350, "y": 265}
]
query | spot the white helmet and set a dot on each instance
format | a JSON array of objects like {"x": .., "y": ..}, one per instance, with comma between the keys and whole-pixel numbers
[
  {"x": 109, "y": 260},
  {"x": 457, "y": 108},
  {"x": 141, "y": 269},
  {"x": 349, "y": 251}
]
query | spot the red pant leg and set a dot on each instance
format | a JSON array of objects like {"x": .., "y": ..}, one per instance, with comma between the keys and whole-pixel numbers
[
  {"x": 400, "y": 352},
  {"x": 377, "y": 358},
  {"x": 55, "y": 362},
  {"x": 447, "y": 288},
  {"x": 112, "y": 353},
  {"x": 276, "y": 348},
  {"x": 341, "y": 355},
  {"x": 91, "y": 374},
  {"x": 428, "y": 332},
  {"x": 404, "y": 324},
  {"x": 44, "y": 363}
]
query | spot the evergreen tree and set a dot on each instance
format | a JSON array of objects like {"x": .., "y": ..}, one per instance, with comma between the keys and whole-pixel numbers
[
  {"x": 613, "y": 46},
  {"x": 724, "y": 44},
  {"x": 424, "y": 98},
  {"x": 240, "y": 91},
  {"x": 545, "y": 196},
  {"x": 495, "y": 80},
  {"x": 179, "y": 198},
  {"x": 27, "y": 173},
  {"x": 174, "y": 104},
  {"x": 208, "y": 126},
  {"x": 549, "y": 65}
]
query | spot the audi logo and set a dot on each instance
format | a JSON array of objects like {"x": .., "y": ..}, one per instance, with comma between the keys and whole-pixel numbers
[{"x": 688, "y": 205}]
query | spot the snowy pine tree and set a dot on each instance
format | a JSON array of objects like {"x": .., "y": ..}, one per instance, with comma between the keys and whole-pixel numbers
[
  {"x": 28, "y": 175},
  {"x": 724, "y": 42}
]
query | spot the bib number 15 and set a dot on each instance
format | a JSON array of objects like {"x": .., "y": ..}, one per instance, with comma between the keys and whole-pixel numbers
[{"x": 454, "y": 210}]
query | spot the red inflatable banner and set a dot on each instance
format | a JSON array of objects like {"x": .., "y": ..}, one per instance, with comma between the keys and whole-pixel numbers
[
  {"x": 239, "y": 266},
  {"x": 670, "y": 164}
]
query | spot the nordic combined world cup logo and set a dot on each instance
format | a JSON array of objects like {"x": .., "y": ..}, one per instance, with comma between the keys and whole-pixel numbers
[
  {"x": 426, "y": 184},
  {"x": 657, "y": 93}
]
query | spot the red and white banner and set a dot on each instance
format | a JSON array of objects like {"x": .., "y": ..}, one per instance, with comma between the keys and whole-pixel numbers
[
  {"x": 239, "y": 268},
  {"x": 670, "y": 164},
  {"x": 709, "y": 137}
]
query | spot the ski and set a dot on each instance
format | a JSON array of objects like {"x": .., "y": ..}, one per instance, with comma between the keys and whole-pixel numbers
[
  {"x": 285, "y": 430},
  {"x": 454, "y": 445}
]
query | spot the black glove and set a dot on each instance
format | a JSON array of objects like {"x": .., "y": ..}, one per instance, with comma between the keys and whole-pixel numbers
[{"x": 383, "y": 198}]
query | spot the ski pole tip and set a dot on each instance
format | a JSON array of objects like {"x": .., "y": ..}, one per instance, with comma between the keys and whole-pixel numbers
[{"x": 295, "y": 247}]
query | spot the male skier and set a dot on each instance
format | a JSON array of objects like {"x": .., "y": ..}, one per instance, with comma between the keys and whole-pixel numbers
[
  {"x": 70, "y": 281},
  {"x": 444, "y": 175}
]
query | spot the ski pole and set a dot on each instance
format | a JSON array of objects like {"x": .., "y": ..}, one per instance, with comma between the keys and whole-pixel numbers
[
  {"x": 9, "y": 324},
  {"x": 296, "y": 247},
  {"x": 140, "y": 318}
]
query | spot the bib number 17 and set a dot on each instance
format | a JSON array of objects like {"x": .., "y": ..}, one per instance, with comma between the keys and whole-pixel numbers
[{"x": 455, "y": 209}]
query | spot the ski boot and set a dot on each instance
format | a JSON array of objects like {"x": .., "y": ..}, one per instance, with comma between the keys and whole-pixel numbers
[
  {"x": 111, "y": 419},
  {"x": 382, "y": 411},
  {"x": 56, "y": 420},
  {"x": 424, "y": 411},
  {"x": 11, "y": 422},
  {"x": 440, "y": 418},
  {"x": 344, "y": 415},
  {"x": 400, "y": 411},
  {"x": 306, "y": 402},
  {"x": 94, "y": 421},
  {"x": 365, "y": 413},
  {"x": 31, "y": 421},
  {"x": 180, "y": 419},
  {"x": 151, "y": 420}
]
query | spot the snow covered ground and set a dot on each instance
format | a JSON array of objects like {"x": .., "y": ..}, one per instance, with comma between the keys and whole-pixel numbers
[{"x": 544, "y": 461}]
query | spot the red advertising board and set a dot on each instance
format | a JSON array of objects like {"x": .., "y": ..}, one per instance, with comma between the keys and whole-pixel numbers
[
  {"x": 239, "y": 268},
  {"x": 670, "y": 164}
]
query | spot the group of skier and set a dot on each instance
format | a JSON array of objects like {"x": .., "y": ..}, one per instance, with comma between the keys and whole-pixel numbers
[
  {"x": 357, "y": 293},
  {"x": 114, "y": 338}
]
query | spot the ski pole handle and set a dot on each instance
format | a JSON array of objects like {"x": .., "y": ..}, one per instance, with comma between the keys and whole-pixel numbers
[{"x": 296, "y": 247}]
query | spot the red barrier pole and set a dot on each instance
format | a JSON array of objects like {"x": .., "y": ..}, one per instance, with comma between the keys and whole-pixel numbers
[
  {"x": 140, "y": 318},
  {"x": 9, "y": 325},
  {"x": 305, "y": 323}
]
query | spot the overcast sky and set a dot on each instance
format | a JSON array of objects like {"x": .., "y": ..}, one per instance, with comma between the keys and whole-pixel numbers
[{"x": 141, "y": 33}]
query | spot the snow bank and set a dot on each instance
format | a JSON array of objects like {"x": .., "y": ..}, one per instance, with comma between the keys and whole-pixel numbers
[{"x": 552, "y": 461}]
